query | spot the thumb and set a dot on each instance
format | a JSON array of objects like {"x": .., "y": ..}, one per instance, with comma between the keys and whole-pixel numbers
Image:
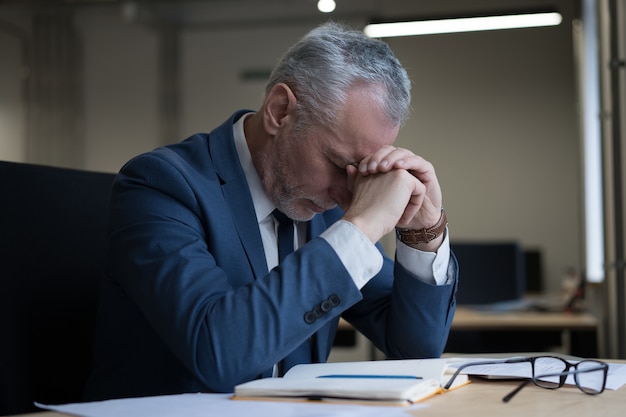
[{"x": 352, "y": 172}]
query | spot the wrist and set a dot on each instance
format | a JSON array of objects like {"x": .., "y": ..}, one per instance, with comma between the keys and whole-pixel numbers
[{"x": 368, "y": 228}]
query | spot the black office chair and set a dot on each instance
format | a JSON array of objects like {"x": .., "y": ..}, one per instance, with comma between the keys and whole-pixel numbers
[{"x": 52, "y": 250}]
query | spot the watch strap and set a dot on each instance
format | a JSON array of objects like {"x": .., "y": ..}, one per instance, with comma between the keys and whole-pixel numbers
[{"x": 413, "y": 236}]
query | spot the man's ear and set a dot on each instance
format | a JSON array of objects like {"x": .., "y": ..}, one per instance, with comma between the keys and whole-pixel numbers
[{"x": 279, "y": 107}]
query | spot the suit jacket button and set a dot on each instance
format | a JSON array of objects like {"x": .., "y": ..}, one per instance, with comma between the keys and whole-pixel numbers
[
  {"x": 326, "y": 306},
  {"x": 310, "y": 317},
  {"x": 334, "y": 300}
]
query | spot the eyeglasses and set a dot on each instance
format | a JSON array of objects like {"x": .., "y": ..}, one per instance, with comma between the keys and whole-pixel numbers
[{"x": 551, "y": 372}]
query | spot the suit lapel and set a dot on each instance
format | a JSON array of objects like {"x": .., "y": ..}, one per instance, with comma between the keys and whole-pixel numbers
[
  {"x": 315, "y": 227},
  {"x": 237, "y": 194}
]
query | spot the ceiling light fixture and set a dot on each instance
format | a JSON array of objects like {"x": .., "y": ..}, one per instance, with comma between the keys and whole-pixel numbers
[
  {"x": 467, "y": 24},
  {"x": 326, "y": 6}
]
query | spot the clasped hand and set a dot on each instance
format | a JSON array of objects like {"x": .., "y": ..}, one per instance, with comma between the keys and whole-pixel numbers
[{"x": 393, "y": 188}]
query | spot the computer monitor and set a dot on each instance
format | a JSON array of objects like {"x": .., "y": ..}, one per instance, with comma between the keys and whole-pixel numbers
[{"x": 490, "y": 272}]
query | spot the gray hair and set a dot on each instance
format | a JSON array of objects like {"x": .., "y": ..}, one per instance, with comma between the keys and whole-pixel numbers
[{"x": 322, "y": 66}]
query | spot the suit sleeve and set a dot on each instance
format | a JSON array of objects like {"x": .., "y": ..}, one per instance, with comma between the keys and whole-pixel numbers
[
  {"x": 175, "y": 256},
  {"x": 404, "y": 316}
]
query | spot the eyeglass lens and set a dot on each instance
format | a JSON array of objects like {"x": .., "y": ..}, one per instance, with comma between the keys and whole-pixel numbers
[
  {"x": 552, "y": 372},
  {"x": 591, "y": 376},
  {"x": 552, "y": 366}
]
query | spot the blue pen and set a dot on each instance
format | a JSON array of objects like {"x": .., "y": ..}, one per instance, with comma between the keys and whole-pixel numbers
[{"x": 370, "y": 376}]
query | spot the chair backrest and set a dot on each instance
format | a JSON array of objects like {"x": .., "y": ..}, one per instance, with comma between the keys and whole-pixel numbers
[{"x": 52, "y": 251}]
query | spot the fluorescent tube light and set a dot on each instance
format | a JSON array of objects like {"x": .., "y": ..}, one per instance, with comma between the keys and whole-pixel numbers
[
  {"x": 469, "y": 24},
  {"x": 591, "y": 108}
]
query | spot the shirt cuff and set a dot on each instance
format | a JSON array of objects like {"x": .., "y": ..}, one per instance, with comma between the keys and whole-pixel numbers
[
  {"x": 429, "y": 267},
  {"x": 358, "y": 254}
]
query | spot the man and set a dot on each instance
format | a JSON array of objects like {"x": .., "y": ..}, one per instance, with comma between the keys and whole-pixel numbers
[{"x": 197, "y": 299}]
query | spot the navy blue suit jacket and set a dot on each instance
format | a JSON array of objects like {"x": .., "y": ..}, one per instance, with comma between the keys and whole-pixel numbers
[{"x": 190, "y": 305}]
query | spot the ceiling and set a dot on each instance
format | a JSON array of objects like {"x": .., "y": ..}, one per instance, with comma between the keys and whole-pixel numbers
[
  {"x": 217, "y": 14},
  {"x": 206, "y": 13}
]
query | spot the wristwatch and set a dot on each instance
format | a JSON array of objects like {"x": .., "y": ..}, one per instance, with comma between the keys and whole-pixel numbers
[{"x": 413, "y": 237}]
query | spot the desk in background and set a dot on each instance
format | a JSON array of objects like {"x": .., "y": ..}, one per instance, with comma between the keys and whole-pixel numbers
[
  {"x": 477, "y": 331},
  {"x": 527, "y": 324}
]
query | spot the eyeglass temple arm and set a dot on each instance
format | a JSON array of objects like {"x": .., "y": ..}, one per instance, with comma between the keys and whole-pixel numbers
[
  {"x": 511, "y": 394},
  {"x": 468, "y": 364},
  {"x": 562, "y": 377}
]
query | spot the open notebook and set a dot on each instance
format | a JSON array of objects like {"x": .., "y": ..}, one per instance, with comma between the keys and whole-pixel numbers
[{"x": 393, "y": 382}]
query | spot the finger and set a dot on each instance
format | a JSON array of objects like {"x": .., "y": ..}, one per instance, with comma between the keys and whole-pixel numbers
[
  {"x": 399, "y": 158},
  {"x": 383, "y": 160},
  {"x": 411, "y": 210},
  {"x": 370, "y": 164},
  {"x": 419, "y": 168}
]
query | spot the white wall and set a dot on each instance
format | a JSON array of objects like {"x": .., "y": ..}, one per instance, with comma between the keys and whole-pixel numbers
[
  {"x": 495, "y": 112},
  {"x": 121, "y": 107},
  {"x": 212, "y": 65}
]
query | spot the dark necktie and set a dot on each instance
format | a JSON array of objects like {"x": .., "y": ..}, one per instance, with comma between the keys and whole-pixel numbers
[
  {"x": 285, "y": 234},
  {"x": 301, "y": 354}
]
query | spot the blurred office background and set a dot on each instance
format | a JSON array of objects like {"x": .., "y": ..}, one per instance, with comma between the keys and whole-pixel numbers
[{"x": 88, "y": 84}]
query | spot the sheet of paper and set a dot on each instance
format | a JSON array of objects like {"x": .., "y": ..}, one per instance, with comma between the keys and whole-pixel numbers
[
  {"x": 616, "y": 377},
  {"x": 220, "y": 405}
]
